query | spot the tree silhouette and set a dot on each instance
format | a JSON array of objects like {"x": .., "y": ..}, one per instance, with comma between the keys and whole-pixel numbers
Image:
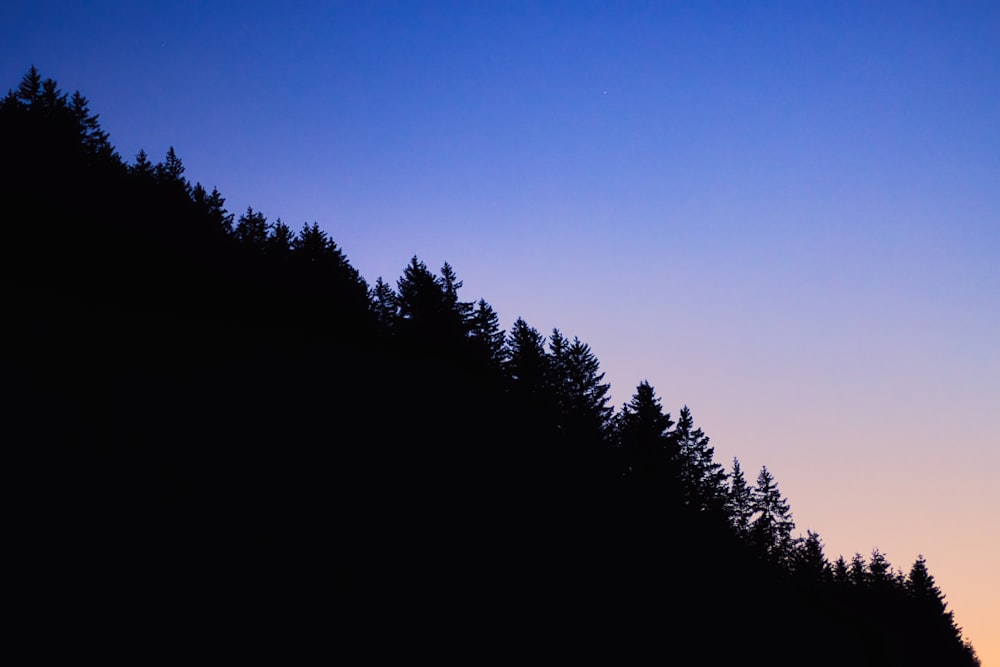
[
  {"x": 702, "y": 479},
  {"x": 30, "y": 88},
  {"x": 739, "y": 501},
  {"x": 428, "y": 313},
  {"x": 642, "y": 435},
  {"x": 580, "y": 394},
  {"x": 486, "y": 334},
  {"x": 457, "y": 310},
  {"x": 840, "y": 573},
  {"x": 858, "y": 571},
  {"x": 771, "y": 530},
  {"x": 211, "y": 207},
  {"x": 94, "y": 140},
  {"x": 934, "y": 621},
  {"x": 880, "y": 571},
  {"x": 251, "y": 231},
  {"x": 385, "y": 306},
  {"x": 313, "y": 245},
  {"x": 142, "y": 168},
  {"x": 170, "y": 172},
  {"x": 527, "y": 364},
  {"x": 808, "y": 562},
  {"x": 922, "y": 588},
  {"x": 280, "y": 241}
]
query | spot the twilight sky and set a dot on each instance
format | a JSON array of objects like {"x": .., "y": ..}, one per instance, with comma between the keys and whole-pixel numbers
[{"x": 785, "y": 215}]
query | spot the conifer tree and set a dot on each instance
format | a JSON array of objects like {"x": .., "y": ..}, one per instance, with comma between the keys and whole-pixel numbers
[
  {"x": 92, "y": 137},
  {"x": 641, "y": 424},
  {"x": 486, "y": 333},
  {"x": 169, "y": 175},
  {"x": 557, "y": 369},
  {"x": 879, "y": 571},
  {"x": 459, "y": 312},
  {"x": 251, "y": 230},
  {"x": 423, "y": 307},
  {"x": 527, "y": 364},
  {"x": 218, "y": 213},
  {"x": 920, "y": 586},
  {"x": 771, "y": 530},
  {"x": 840, "y": 573},
  {"x": 384, "y": 304},
  {"x": 739, "y": 501},
  {"x": 429, "y": 307},
  {"x": 324, "y": 267},
  {"x": 527, "y": 374},
  {"x": 50, "y": 101},
  {"x": 703, "y": 481},
  {"x": 280, "y": 241},
  {"x": 142, "y": 168},
  {"x": 642, "y": 435},
  {"x": 808, "y": 562},
  {"x": 938, "y": 620},
  {"x": 858, "y": 571},
  {"x": 211, "y": 206},
  {"x": 582, "y": 393},
  {"x": 30, "y": 88},
  {"x": 312, "y": 245},
  {"x": 171, "y": 170}
]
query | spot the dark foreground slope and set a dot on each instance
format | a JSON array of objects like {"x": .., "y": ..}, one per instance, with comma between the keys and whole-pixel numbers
[{"x": 203, "y": 444}]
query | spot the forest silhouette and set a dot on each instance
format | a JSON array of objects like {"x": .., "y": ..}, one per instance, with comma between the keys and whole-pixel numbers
[{"x": 214, "y": 416}]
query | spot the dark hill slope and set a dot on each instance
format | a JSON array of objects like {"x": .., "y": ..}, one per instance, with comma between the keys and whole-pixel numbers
[{"x": 204, "y": 442}]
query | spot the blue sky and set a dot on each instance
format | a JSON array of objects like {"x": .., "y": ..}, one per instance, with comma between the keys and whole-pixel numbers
[{"x": 783, "y": 214}]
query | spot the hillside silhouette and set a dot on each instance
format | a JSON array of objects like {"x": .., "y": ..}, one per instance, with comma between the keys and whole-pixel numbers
[{"x": 213, "y": 417}]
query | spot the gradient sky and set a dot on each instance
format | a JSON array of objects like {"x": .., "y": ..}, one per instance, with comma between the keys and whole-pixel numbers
[{"x": 785, "y": 215}]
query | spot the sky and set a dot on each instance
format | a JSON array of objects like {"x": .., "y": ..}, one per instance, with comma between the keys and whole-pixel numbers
[{"x": 784, "y": 215}]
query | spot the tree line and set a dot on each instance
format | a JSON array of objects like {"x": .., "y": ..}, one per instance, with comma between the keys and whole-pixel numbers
[{"x": 422, "y": 395}]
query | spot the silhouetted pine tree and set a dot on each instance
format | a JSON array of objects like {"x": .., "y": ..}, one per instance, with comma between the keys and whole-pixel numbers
[
  {"x": 142, "y": 168},
  {"x": 922, "y": 588},
  {"x": 313, "y": 245},
  {"x": 581, "y": 394},
  {"x": 739, "y": 502},
  {"x": 807, "y": 561},
  {"x": 933, "y": 623},
  {"x": 30, "y": 88},
  {"x": 858, "y": 571},
  {"x": 527, "y": 364},
  {"x": 251, "y": 231},
  {"x": 458, "y": 311},
  {"x": 702, "y": 479},
  {"x": 880, "y": 574},
  {"x": 840, "y": 573},
  {"x": 558, "y": 377},
  {"x": 325, "y": 276},
  {"x": 920, "y": 585},
  {"x": 211, "y": 207},
  {"x": 527, "y": 370},
  {"x": 487, "y": 336},
  {"x": 170, "y": 173},
  {"x": 384, "y": 305},
  {"x": 426, "y": 313},
  {"x": 771, "y": 529},
  {"x": 647, "y": 452},
  {"x": 51, "y": 100},
  {"x": 280, "y": 241}
]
